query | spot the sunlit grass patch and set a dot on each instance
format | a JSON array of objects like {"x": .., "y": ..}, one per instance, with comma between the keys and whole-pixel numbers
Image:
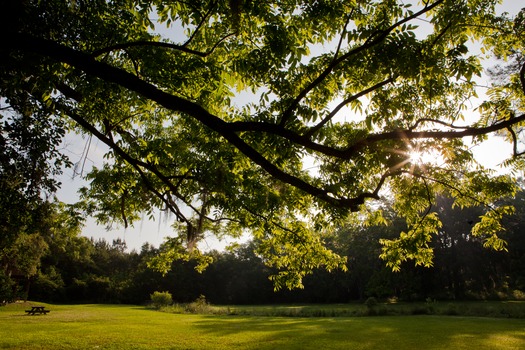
[{"x": 134, "y": 327}]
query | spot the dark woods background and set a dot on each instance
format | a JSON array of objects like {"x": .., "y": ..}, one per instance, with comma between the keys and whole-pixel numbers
[{"x": 80, "y": 270}]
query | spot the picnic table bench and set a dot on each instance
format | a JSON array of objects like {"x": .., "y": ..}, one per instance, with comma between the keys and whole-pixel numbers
[{"x": 37, "y": 310}]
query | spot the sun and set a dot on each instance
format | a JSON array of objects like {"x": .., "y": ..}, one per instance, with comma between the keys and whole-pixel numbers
[
  {"x": 422, "y": 157},
  {"x": 416, "y": 157}
]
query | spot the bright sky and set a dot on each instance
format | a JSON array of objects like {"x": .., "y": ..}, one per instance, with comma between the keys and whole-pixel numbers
[{"x": 491, "y": 153}]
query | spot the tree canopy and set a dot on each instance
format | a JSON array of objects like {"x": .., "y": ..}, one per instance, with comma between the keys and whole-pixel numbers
[{"x": 280, "y": 118}]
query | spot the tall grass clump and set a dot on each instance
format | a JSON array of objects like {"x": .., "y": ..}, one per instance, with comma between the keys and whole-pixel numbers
[
  {"x": 161, "y": 299},
  {"x": 373, "y": 308},
  {"x": 200, "y": 306}
]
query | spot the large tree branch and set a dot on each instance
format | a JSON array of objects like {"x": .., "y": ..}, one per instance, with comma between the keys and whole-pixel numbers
[
  {"x": 401, "y": 134},
  {"x": 127, "y": 80},
  {"x": 146, "y": 43},
  {"x": 409, "y": 134},
  {"x": 515, "y": 151},
  {"x": 142, "y": 43}
]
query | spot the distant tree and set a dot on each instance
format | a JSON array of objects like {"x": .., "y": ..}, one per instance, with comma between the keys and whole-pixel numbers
[
  {"x": 462, "y": 268},
  {"x": 34, "y": 256},
  {"x": 238, "y": 277},
  {"x": 144, "y": 280},
  {"x": 23, "y": 259},
  {"x": 367, "y": 276},
  {"x": 50, "y": 224},
  {"x": 352, "y": 88},
  {"x": 8, "y": 291},
  {"x": 515, "y": 259}
]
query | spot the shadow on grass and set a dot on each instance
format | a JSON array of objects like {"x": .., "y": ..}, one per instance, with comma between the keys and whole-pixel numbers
[{"x": 406, "y": 332}]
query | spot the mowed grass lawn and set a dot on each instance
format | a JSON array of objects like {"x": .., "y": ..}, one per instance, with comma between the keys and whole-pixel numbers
[{"x": 129, "y": 327}]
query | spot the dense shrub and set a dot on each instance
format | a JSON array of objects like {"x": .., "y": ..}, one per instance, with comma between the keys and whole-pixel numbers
[
  {"x": 161, "y": 299},
  {"x": 371, "y": 302}
]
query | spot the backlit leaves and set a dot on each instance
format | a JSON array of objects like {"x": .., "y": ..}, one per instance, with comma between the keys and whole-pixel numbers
[{"x": 277, "y": 117}]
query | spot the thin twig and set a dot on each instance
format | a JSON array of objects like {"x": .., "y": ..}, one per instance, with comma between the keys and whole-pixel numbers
[
  {"x": 350, "y": 99},
  {"x": 204, "y": 19},
  {"x": 522, "y": 77},
  {"x": 343, "y": 32}
]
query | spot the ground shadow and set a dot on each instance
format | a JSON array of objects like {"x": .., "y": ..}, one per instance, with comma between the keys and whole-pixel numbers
[{"x": 399, "y": 332}]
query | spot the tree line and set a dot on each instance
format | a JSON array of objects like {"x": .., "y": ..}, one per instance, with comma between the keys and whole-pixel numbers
[{"x": 75, "y": 269}]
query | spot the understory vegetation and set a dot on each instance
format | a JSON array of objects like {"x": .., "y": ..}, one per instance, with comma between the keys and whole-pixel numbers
[{"x": 371, "y": 307}]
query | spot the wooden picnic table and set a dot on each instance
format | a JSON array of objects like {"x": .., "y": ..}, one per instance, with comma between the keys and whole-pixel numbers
[{"x": 37, "y": 310}]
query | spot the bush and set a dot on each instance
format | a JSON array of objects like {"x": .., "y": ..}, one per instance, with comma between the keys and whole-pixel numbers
[
  {"x": 518, "y": 295},
  {"x": 422, "y": 310},
  {"x": 161, "y": 299},
  {"x": 371, "y": 303},
  {"x": 199, "y": 306},
  {"x": 451, "y": 310}
]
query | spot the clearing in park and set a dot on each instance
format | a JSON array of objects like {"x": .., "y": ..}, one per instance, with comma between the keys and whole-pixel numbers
[{"x": 135, "y": 327}]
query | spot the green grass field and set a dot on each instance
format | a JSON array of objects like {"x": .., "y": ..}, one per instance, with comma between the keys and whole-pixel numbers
[{"x": 134, "y": 327}]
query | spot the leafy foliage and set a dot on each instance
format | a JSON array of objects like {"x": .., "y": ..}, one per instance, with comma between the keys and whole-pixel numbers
[{"x": 212, "y": 110}]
